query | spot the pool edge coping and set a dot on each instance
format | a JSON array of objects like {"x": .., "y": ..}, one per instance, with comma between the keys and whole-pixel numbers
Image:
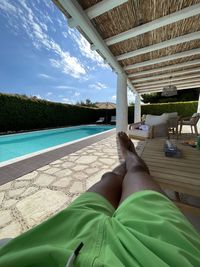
[{"x": 22, "y": 167}]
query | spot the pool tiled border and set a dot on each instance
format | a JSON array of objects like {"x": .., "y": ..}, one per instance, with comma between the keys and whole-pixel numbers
[{"x": 17, "y": 169}]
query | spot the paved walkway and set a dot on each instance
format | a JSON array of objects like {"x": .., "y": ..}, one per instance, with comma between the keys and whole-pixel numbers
[{"x": 32, "y": 198}]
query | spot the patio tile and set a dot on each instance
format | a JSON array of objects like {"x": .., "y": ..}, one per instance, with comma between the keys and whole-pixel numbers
[
  {"x": 10, "y": 231},
  {"x": 19, "y": 184},
  {"x": 1, "y": 197},
  {"x": 29, "y": 191},
  {"x": 5, "y": 217},
  {"x": 107, "y": 161},
  {"x": 63, "y": 173},
  {"x": 79, "y": 167},
  {"x": 77, "y": 187},
  {"x": 67, "y": 164},
  {"x": 86, "y": 159},
  {"x": 91, "y": 170},
  {"x": 40, "y": 205},
  {"x": 64, "y": 182},
  {"x": 5, "y": 186},
  {"x": 44, "y": 180},
  {"x": 28, "y": 176},
  {"x": 9, "y": 202},
  {"x": 51, "y": 170},
  {"x": 15, "y": 192},
  {"x": 80, "y": 175}
]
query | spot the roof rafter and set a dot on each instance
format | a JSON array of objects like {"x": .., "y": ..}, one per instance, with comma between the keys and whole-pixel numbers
[
  {"x": 98, "y": 9},
  {"x": 155, "y": 24},
  {"x": 165, "y": 83},
  {"x": 175, "y": 41},
  {"x": 168, "y": 75},
  {"x": 164, "y": 59},
  {"x": 170, "y": 67},
  {"x": 179, "y": 87},
  {"x": 186, "y": 77}
]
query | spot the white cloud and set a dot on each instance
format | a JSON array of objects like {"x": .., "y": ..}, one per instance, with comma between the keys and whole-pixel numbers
[
  {"x": 7, "y": 7},
  {"x": 49, "y": 93},
  {"x": 45, "y": 76},
  {"x": 65, "y": 87},
  {"x": 84, "y": 47},
  {"x": 114, "y": 97},
  {"x": 65, "y": 34},
  {"x": 98, "y": 86},
  {"x": 37, "y": 32},
  {"x": 76, "y": 94},
  {"x": 38, "y": 96},
  {"x": 130, "y": 96},
  {"x": 67, "y": 101}
]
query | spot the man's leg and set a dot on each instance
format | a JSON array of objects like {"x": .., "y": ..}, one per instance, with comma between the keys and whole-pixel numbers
[
  {"x": 110, "y": 185},
  {"x": 137, "y": 177}
]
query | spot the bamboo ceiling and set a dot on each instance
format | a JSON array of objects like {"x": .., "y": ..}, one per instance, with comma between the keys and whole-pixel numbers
[{"x": 138, "y": 12}]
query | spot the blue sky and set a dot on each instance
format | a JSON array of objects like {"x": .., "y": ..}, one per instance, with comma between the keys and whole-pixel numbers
[{"x": 41, "y": 56}]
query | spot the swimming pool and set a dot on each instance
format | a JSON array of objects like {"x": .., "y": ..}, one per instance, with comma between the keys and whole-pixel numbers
[{"x": 18, "y": 145}]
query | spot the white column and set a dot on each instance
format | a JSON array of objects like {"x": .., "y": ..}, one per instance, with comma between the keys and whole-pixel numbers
[
  {"x": 137, "y": 108},
  {"x": 122, "y": 106},
  {"x": 198, "y": 111}
]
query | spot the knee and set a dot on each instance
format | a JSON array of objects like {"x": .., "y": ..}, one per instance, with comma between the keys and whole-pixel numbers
[{"x": 108, "y": 175}]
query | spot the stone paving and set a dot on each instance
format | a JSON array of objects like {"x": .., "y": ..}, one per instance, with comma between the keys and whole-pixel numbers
[{"x": 32, "y": 198}]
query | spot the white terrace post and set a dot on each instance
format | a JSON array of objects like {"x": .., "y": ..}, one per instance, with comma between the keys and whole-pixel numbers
[
  {"x": 137, "y": 108},
  {"x": 122, "y": 106}
]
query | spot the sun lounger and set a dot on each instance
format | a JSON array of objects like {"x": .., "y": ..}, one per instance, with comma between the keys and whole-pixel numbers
[
  {"x": 100, "y": 120},
  {"x": 113, "y": 120}
]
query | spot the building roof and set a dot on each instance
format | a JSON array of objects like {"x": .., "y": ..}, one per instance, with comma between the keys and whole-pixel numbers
[
  {"x": 105, "y": 105},
  {"x": 150, "y": 40}
]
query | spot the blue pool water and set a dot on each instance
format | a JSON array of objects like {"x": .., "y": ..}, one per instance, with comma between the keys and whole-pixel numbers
[{"x": 16, "y": 145}]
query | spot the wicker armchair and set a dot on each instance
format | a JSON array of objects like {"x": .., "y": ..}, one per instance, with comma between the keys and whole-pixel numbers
[
  {"x": 157, "y": 126},
  {"x": 192, "y": 122}
]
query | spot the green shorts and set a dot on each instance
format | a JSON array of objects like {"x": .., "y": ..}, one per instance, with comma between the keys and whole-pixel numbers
[{"x": 146, "y": 230}]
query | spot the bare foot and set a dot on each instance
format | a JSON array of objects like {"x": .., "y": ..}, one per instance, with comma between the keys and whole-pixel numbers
[
  {"x": 129, "y": 153},
  {"x": 125, "y": 144}
]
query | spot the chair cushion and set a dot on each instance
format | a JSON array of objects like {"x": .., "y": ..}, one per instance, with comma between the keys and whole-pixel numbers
[
  {"x": 139, "y": 133},
  {"x": 155, "y": 120}
]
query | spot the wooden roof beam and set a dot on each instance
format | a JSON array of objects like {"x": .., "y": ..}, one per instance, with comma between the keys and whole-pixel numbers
[
  {"x": 165, "y": 68},
  {"x": 168, "y": 75},
  {"x": 150, "y": 26},
  {"x": 98, "y": 9},
  {"x": 186, "y": 77},
  {"x": 178, "y": 40},
  {"x": 179, "y": 87},
  {"x": 164, "y": 59},
  {"x": 165, "y": 83}
]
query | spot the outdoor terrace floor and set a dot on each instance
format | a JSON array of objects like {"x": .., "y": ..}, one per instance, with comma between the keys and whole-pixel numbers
[{"x": 32, "y": 198}]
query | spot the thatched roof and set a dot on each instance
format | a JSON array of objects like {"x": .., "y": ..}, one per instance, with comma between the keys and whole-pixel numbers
[
  {"x": 134, "y": 13},
  {"x": 105, "y": 105}
]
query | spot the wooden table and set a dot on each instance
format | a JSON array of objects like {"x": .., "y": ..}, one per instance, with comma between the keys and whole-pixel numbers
[{"x": 181, "y": 175}]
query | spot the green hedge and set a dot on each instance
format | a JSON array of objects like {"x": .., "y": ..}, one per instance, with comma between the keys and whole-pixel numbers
[
  {"x": 183, "y": 108},
  {"x": 21, "y": 113}
]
